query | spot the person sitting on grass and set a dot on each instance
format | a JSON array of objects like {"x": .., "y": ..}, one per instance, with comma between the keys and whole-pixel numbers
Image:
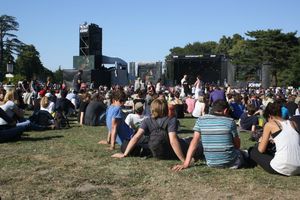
[
  {"x": 219, "y": 137},
  {"x": 63, "y": 104},
  {"x": 199, "y": 109},
  {"x": 84, "y": 102},
  {"x": 118, "y": 130},
  {"x": 173, "y": 146},
  {"x": 284, "y": 159},
  {"x": 134, "y": 120},
  {"x": 13, "y": 111},
  {"x": 47, "y": 105},
  {"x": 8, "y": 129},
  {"x": 95, "y": 111},
  {"x": 249, "y": 119}
]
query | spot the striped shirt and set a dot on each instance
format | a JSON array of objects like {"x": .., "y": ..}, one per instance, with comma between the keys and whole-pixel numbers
[{"x": 217, "y": 133}]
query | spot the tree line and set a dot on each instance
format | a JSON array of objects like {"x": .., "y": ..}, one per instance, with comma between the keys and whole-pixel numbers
[
  {"x": 272, "y": 47},
  {"x": 261, "y": 47}
]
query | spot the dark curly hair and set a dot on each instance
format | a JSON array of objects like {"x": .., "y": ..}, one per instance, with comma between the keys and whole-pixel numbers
[
  {"x": 273, "y": 109},
  {"x": 118, "y": 95}
]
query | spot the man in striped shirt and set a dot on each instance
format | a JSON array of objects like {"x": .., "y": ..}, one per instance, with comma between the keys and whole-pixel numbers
[{"x": 219, "y": 137}]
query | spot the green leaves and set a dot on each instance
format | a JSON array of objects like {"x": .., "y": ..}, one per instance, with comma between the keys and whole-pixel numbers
[{"x": 271, "y": 46}]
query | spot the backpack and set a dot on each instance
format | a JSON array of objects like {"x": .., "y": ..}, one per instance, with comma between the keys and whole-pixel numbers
[
  {"x": 60, "y": 120},
  {"x": 159, "y": 139},
  {"x": 42, "y": 118}
]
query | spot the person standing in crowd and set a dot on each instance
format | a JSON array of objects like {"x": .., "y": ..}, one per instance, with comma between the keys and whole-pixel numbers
[
  {"x": 184, "y": 85},
  {"x": 216, "y": 94},
  {"x": 158, "y": 86},
  {"x": 77, "y": 80},
  {"x": 151, "y": 95},
  {"x": 291, "y": 105},
  {"x": 137, "y": 85},
  {"x": 49, "y": 84},
  {"x": 198, "y": 87},
  {"x": 190, "y": 102}
]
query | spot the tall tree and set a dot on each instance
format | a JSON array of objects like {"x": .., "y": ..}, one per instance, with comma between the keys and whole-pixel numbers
[
  {"x": 8, "y": 40},
  {"x": 196, "y": 48},
  {"x": 272, "y": 47},
  {"x": 58, "y": 75},
  {"x": 291, "y": 74},
  {"x": 29, "y": 63}
]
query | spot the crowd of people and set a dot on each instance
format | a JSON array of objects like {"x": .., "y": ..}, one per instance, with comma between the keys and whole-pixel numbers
[{"x": 143, "y": 118}]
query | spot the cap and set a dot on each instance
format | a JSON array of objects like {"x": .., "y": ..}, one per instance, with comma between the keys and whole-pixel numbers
[
  {"x": 42, "y": 93},
  {"x": 138, "y": 106}
]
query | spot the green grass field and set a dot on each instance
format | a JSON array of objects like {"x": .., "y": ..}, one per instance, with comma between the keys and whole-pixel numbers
[{"x": 69, "y": 164}]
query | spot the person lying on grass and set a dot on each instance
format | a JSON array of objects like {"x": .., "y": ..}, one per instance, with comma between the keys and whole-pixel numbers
[
  {"x": 118, "y": 130},
  {"x": 171, "y": 146},
  {"x": 219, "y": 137}
]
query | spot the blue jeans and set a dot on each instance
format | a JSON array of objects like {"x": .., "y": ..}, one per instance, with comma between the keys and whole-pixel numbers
[{"x": 11, "y": 133}]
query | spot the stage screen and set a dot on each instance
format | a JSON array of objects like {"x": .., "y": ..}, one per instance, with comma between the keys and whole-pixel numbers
[
  {"x": 84, "y": 62},
  {"x": 149, "y": 71},
  {"x": 210, "y": 70}
]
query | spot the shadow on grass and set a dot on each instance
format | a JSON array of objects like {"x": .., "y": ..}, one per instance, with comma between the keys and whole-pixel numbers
[
  {"x": 32, "y": 139},
  {"x": 25, "y": 138}
]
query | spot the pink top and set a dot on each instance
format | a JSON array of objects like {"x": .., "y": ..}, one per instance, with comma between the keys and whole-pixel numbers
[{"x": 190, "y": 102}]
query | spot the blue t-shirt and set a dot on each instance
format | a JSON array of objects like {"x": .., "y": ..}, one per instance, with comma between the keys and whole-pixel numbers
[
  {"x": 284, "y": 112},
  {"x": 237, "y": 109},
  {"x": 124, "y": 132}
]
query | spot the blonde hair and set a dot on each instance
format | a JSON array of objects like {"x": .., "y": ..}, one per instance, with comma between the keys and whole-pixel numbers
[
  {"x": 45, "y": 102},
  {"x": 86, "y": 97},
  {"x": 159, "y": 108},
  {"x": 201, "y": 99},
  {"x": 9, "y": 96}
]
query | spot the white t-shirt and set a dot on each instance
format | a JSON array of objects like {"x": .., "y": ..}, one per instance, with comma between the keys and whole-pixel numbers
[
  {"x": 134, "y": 120},
  {"x": 297, "y": 112},
  {"x": 287, "y": 157},
  {"x": 8, "y": 107},
  {"x": 50, "y": 108},
  {"x": 157, "y": 87},
  {"x": 199, "y": 109}
]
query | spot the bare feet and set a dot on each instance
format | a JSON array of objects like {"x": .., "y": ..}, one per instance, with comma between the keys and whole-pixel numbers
[{"x": 103, "y": 142}]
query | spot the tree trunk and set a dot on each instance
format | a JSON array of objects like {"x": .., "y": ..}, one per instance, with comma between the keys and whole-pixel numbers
[{"x": 274, "y": 78}]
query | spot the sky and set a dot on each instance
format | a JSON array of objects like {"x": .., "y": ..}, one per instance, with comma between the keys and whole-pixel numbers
[{"x": 141, "y": 30}]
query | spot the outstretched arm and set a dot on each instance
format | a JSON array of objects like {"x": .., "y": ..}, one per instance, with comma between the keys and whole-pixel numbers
[
  {"x": 113, "y": 134},
  {"x": 190, "y": 153},
  {"x": 134, "y": 140},
  {"x": 176, "y": 146}
]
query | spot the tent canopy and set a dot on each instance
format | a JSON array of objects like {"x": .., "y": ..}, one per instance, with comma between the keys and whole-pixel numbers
[{"x": 113, "y": 60}]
